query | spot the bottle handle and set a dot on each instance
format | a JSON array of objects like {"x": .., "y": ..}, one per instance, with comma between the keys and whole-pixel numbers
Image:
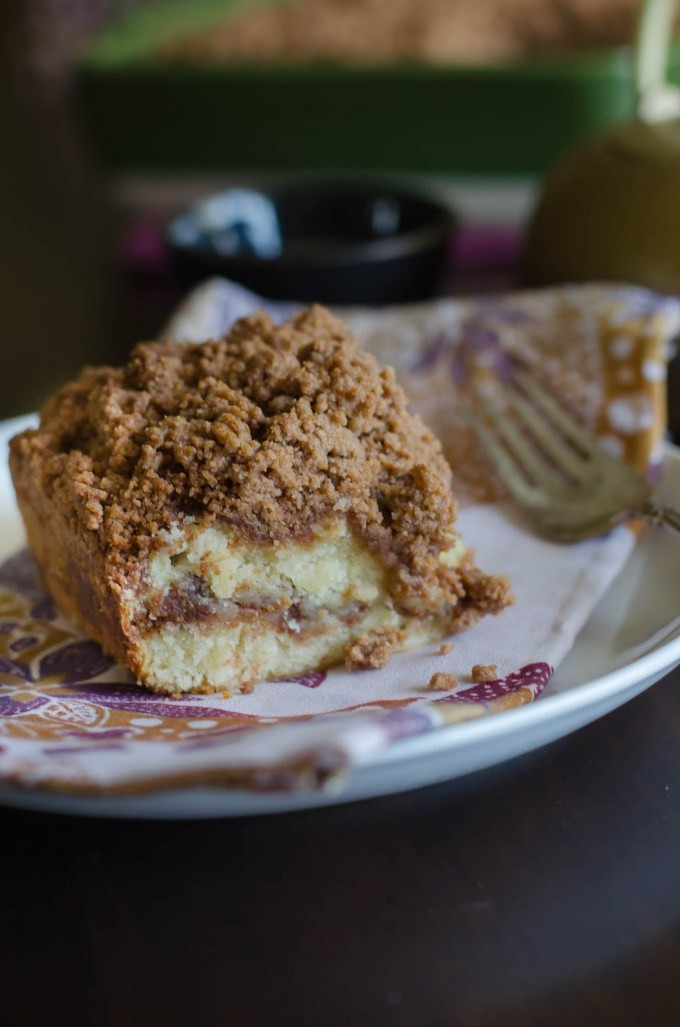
[{"x": 656, "y": 98}]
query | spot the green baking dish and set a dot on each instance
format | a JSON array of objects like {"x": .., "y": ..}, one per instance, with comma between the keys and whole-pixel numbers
[{"x": 513, "y": 119}]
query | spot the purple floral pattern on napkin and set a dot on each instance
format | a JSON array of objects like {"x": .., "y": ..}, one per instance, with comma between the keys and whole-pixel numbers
[{"x": 60, "y": 690}]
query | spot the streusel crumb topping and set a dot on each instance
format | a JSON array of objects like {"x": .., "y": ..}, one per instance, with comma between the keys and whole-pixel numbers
[
  {"x": 373, "y": 649},
  {"x": 272, "y": 429}
]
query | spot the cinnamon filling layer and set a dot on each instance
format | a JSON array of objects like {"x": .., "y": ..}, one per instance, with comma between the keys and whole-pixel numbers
[{"x": 193, "y": 602}]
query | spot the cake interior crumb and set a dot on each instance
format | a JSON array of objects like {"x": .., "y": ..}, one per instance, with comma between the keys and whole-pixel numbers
[{"x": 445, "y": 648}]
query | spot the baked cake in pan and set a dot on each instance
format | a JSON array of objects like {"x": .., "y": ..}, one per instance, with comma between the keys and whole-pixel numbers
[{"x": 250, "y": 508}]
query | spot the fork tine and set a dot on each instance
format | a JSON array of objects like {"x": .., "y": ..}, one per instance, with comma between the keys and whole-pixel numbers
[
  {"x": 565, "y": 457},
  {"x": 523, "y": 449},
  {"x": 506, "y": 468},
  {"x": 556, "y": 413}
]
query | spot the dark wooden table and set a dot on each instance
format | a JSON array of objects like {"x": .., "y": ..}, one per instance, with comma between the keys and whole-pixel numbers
[{"x": 544, "y": 891}]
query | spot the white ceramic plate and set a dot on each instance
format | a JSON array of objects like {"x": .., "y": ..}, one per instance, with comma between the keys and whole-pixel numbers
[{"x": 631, "y": 640}]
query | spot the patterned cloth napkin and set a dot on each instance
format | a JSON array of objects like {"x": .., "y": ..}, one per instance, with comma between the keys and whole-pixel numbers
[{"x": 74, "y": 721}]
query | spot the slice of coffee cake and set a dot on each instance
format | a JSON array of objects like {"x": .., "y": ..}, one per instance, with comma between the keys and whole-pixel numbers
[{"x": 251, "y": 508}]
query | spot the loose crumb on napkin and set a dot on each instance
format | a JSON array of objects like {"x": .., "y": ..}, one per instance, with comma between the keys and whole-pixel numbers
[
  {"x": 484, "y": 672},
  {"x": 442, "y": 682}
]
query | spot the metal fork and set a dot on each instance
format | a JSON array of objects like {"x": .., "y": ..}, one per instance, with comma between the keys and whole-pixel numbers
[{"x": 569, "y": 487}]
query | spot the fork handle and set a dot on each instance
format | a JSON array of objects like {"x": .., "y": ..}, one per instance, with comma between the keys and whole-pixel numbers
[{"x": 660, "y": 515}]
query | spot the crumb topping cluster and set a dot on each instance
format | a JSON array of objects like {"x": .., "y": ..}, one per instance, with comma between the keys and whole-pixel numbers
[
  {"x": 373, "y": 649},
  {"x": 271, "y": 429}
]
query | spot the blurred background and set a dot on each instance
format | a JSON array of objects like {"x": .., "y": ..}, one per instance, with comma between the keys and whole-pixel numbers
[{"x": 401, "y": 144}]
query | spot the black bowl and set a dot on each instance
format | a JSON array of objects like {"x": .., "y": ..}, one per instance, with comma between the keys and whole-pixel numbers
[{"x": 333, "y": 243}]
